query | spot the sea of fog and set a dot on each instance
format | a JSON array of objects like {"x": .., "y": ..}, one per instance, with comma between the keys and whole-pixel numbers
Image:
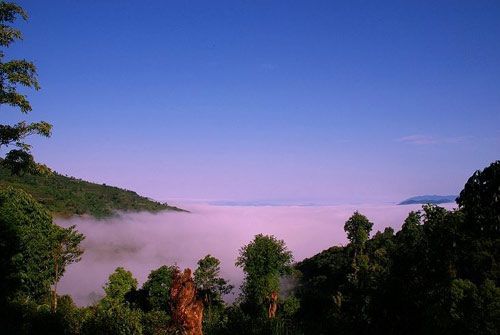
[{"x": 141, "y": 242}]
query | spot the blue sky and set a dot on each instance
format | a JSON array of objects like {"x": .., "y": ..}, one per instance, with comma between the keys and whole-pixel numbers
[{"x": 315, "y": 101}]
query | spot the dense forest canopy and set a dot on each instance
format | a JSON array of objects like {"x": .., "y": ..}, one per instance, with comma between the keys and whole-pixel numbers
[{"x": 438, "y": 275}]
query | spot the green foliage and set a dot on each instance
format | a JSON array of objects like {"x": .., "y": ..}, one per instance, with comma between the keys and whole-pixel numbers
[
  {"x": 264, "y": 261},
  {"x": 438, "y": 275},
  {"x": 113, "y": 315},
  {"x": 34, "y": 253},
  {"x": 28, "y": 317},
  {"x": 211, "y": 288},
  {"x": 156, "y": 323},
  {"x": 15, "y": 73},
  {"x": 208, "y": 281},
  {"x": 67, "y": 249},
  {"x": 237, "y": 321},
  {"x": 116, "y": 319},
  {"x": 66, "y": 252},
  {"x": 291, "y": 306},
  {"x": 119, "y": 284},
  {"x": 19, "y": 162},
  {"x": 69, "y": 316},
  {"x": 68, "y": 196},
  {"x": 480, "y": 202},
  {"x": 26, "y": 245},
  {"x": 358, "y": 229},
  {"x": 157, "y": 288}
]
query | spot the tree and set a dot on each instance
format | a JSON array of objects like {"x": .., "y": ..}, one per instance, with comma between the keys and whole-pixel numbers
[
  {"x": 157, "y": 288},
  {"x": 211, "y": 287},
  {"x": 66, "y": 252},
  {"x": 358, "y": 229},
  {"x": 26, "y": 246},
  {"x": 119, "y": 284},
  {"x": 113, "y": 315},
  {"x": 264, "y": 261},
  {"x": 115, "y": 319},
  {"x": 29, "y": 243},
  {"x": 208, "y": 280},
  {"x": 15, "y": 73},
  {"x": 480, "y": 202}
]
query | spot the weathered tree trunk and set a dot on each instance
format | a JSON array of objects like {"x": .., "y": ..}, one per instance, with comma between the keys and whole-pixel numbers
[
  {"x": 53, "y": 300},
  {"x": 187, "y": 308},
  {"x": 273, "y": 305}
]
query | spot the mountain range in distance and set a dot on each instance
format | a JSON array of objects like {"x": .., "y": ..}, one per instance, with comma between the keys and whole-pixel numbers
[{"x": 430, "y": 199}]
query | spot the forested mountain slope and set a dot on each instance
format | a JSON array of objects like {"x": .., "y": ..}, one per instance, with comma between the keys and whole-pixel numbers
[{"x": 66, "y": 196}]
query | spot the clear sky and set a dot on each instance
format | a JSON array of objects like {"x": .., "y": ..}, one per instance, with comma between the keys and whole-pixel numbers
[{"x": 317, "y": 101}]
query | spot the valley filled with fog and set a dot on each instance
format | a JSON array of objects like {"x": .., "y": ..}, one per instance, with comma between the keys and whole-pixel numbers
[{"x": 141, "y": 242}]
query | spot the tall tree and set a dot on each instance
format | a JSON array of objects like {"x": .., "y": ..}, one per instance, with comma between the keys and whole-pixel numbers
[
  {"x": 211, "y": 287},
  {"x": 264, "y": 261},
  {"x": 208, "y": 280},
  {"x": 66, "y": 252},
  {"x": 480, "y": 202},
  {"x": 358, "y": 229},
  {"x": 13, "y": 74}
]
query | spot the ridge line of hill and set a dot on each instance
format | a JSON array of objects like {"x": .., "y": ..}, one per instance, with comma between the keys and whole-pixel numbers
[{"x": 67, "y": 196}]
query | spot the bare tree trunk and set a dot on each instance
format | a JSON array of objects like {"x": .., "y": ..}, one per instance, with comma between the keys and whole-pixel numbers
[
  {"x": 187, "y": 308},
  {"x": 273, "y": 305},
  {"x": 53, "y": 302}
]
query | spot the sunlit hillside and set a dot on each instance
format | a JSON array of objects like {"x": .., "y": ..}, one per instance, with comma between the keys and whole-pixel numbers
[{"x": 66, "y": 196}]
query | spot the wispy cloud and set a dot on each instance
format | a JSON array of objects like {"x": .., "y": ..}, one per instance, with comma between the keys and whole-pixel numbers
[
  {"x": 418, "y": 139},
  {"x": 428, "y": 139}
]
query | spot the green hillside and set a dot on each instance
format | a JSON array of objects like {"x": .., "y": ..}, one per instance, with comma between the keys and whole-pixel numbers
[{"x": 67, "y": 196}]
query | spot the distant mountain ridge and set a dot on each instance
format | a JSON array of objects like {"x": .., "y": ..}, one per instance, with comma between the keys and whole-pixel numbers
[
  {"x": 430, "y": 199},
  {"x": 261, "y": 203},
  {"x": 67, "y": 196}
]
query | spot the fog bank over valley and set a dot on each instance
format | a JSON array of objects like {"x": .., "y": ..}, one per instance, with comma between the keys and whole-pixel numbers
[{"x": 141, "y": 242}]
